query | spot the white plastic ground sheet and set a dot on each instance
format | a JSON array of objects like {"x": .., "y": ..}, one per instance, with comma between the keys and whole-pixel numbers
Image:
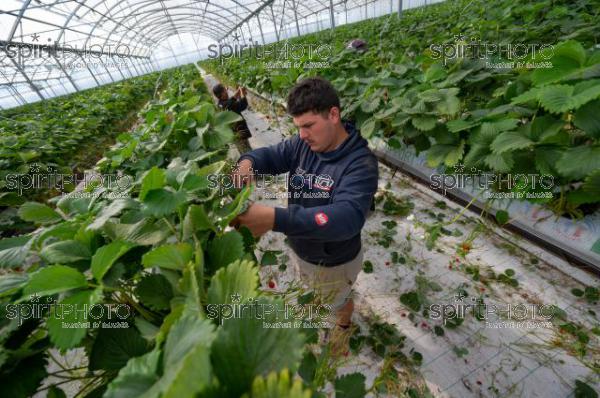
[{"x": 416, "y": 252}]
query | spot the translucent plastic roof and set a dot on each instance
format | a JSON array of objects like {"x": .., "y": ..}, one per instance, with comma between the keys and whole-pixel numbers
[{"x": 50, "y": 47}]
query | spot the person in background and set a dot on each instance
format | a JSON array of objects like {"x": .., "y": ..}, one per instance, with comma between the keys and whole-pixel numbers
[
  {"x": 358, "y": 45},
  {"x": 237, "y": 104}
]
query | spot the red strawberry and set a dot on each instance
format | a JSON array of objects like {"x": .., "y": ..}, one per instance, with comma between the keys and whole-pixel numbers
[{"x": 271, "y": 284}]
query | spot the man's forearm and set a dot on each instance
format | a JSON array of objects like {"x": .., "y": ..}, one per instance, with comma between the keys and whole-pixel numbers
[{"x": 334, "y": 222}]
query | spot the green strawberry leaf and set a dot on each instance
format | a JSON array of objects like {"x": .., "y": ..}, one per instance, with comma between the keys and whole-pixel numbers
[
  {"x": 154, "y": 291},
  {"x": 225, "y": 249},
  {"x": 54, "y": 279},
  {"x": 239, "y": 280},
  {"x": 69, "y": 337},
  {"x": 172, "y": 256},
  {"x": 350, "y": 386},
  {"x": 106, "y": 256},
  {"x": 38, "y": 213}
]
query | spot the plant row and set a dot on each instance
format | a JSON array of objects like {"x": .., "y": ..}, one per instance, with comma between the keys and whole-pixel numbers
[
  {"x": 143, "y": 269},
  {"x": 65, "y": 133},
  {"x": 530, "y": 107}
]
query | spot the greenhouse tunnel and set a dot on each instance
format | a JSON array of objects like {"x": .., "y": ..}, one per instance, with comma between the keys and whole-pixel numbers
[
  {"x": 452, "y": 151},
  {"x": 131, "y": 38}
]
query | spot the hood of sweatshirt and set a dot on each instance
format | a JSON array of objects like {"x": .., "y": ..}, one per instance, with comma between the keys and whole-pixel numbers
[{"x": 352, "y": 143}]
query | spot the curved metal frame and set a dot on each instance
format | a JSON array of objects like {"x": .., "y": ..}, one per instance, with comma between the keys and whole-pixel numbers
[{"x": 145, "y": 25}]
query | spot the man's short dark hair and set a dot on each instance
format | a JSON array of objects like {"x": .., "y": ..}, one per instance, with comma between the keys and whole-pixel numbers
[
  {"x": 218, "y": 90},
  {"x": 313, "y": 94}
]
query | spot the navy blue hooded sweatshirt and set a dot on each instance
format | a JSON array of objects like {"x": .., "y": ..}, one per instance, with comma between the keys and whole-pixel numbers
[{"x": 329, "y": 195}]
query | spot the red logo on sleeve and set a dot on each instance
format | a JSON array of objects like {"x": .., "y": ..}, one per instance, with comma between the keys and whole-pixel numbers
[{"x": 321, "y": 218}]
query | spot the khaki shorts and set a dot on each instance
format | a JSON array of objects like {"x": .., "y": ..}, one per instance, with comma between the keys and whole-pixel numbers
[{"x": 332, "y": 285}]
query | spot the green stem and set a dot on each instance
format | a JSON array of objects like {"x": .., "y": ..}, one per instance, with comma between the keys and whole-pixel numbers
[
  {"x": 83, "y": 389},
  {"x": 459, "y": 215},
  {"x": 199, "y": 261},
  {"x": 172, "y": 228},
  {"x": 181, "y": 219},
  {"x": 60, "y": 382},
  {"x": 66, "y": 370},
  {"x": 146, "y": 314},
  {"x": 107, "y": 288},
  {"x": 70, "y": 377}
]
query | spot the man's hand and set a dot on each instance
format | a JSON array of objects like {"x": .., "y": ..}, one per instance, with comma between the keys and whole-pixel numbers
[
  {"x": 240, "y": 92},
  {"x": 243, "y": 174},
  {"x": 258, "y": 219}
]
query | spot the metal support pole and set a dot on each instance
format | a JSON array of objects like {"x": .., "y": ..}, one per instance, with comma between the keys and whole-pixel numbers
[
  {"x": 11, "y": 35},
  {"x": 249, "y": 33},
  {"x": 66, "y": 74},
  {"x": 155, "y": 64},
  {"x": 17, "y": 95},
  {"x": 129, "y": 69},
  {"x": 121, "y": 73},
  {"x": 89, "y": 70},
  {"x": 242, "y": 34},
  {"x": 173, "y": 52},
  {"x": 274, "y": 22},
  {"x": 262, "y": 36},
  {"x": 54, "y": 91},
  {"x": 141, "y": 67},
  {"x": 144, "y": 65},
  {"x": 112, "y": 79},
  {"x": 331, "y": 16},
  {"x": 136, "y": 69},
  {"x": 33, "y": 86},
  {"x": 151, "y": 65},
  {"x": 296, "y": 16},
  {"x": 346, "y": 11}
]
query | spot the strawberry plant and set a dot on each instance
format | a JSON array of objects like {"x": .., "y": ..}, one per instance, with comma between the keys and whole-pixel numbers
[
  {"x": 43, "y": 132},
  {"x": 52, "y": 141},
  {"x": 140, "y": 273}
]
